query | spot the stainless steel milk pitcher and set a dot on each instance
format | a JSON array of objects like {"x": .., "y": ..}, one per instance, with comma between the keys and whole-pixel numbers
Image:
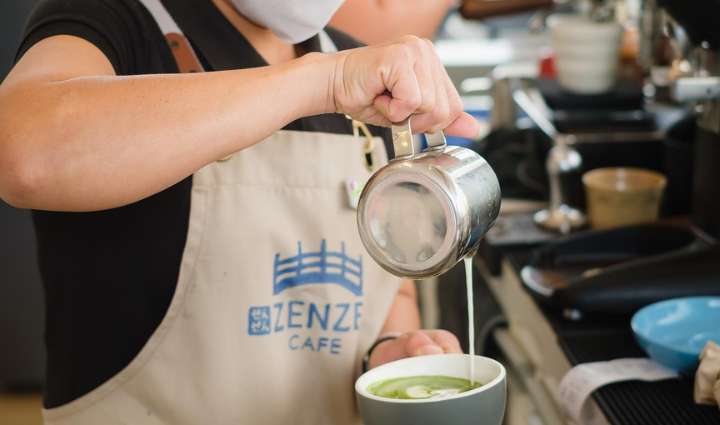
[{"x": 425, "y": 211}]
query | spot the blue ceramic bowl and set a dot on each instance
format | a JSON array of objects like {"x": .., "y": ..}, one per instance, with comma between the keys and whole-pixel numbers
[{"x": 674, "y": 332}]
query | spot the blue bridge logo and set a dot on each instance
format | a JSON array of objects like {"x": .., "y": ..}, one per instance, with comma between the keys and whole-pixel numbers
[{"x": 321, "y": 267}]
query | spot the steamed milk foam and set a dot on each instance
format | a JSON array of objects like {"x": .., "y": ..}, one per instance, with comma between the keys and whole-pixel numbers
[
  {"x": 421, "y": 387},
  {"x": 471, "y": 315}
]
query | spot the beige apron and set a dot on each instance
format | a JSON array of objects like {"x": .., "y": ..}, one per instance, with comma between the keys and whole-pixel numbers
[{"x": 276, "y": 301}]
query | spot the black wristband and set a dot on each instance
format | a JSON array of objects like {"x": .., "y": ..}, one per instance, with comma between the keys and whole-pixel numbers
[{"x": 366, "y": 358}]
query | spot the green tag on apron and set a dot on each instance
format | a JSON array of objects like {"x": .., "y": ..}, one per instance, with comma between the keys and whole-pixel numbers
[{"x": 353, "y": 189}]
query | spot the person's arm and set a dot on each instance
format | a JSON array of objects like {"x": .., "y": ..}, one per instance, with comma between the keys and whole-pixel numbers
[
  {"x": 404, "y": 315},
  {"x": 404, "y": 318},
  {"x": 376, "y": 21},
  {"x": 75, "y": 137}
]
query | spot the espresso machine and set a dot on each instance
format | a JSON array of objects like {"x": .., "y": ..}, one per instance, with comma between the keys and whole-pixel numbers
[
  {"x": 699, "y": 84},
  {"x": 589, "y": 273},
  {"x": 616, "y": 272}
]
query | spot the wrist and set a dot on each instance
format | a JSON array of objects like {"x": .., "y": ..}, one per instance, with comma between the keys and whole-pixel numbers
[
  {"x": 375, "y": 357},
  {"x": 317, "y": 74},
  {"x": 382, "y": 340}
]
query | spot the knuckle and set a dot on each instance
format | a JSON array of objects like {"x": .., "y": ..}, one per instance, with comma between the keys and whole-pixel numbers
[
  {"x": 414, "y": 102},
  {"x": 397, "y": 117},
  {"x": 429, "y": 100},
  {"x": 445, "y": 334},
  {"x": 410, "y": 39},
  {"x": 410, "y": 52},
  {"x": 446, "y": 111},
  {"x": 392, "y": 52},
  {"x": 441, "y": 116},
  {"x": 455, "y": 108},
  {"x": 399, "y": 53},
  {"x": 414, "y": 339},
  {"x": 416, "y": 44},
  {"x": 383, "y": 58}
]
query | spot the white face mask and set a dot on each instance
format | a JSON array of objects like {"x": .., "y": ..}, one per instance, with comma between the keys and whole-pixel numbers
[{"x": 291, "y": 20}]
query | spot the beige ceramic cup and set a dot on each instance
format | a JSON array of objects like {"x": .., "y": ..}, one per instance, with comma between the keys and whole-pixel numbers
[{"x": 622, "y": 196}]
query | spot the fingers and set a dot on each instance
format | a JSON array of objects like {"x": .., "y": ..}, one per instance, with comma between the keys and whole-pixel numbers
[
  {"x": 415, "y": 343},
  {"x": 426, "y": 342},
  {"x": 439, "y": 116},
  {"x": 423, "y": 90},
  {"x": 404, "y": 95},
  {"x": 419, "y": 343},
  {"x": 388, "y": 83},
  {"x": 447, "y": 340},
  {"x": 425, "y": 74}
]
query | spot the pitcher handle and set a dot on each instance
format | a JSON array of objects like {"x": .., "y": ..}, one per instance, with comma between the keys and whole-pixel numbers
[
  {"x": 436, "y": 141},
  {"x": 403, "y": 145},
  {"x": 402, "y": 139}
]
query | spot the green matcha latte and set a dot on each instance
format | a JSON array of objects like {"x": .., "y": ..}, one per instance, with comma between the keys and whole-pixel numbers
[{"x": 421, "y": 387}]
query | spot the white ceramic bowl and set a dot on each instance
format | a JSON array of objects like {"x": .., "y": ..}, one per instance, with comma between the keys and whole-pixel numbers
[
  {"x": 480, "y": 406},
  {"x": 586, "y": 53}
]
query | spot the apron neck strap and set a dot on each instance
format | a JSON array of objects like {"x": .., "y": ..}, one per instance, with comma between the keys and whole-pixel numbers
[
  {"x": 163, "y": 18},
  {"x": 185, "y": 57},
  {"x": 182, "y": 50},
  {"x": 327, "y": 45}
]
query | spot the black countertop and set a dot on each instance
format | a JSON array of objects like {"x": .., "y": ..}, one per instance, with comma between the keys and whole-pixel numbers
[{"x": 667, "y": 402}]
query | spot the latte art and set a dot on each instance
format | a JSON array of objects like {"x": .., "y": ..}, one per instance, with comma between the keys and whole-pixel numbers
[{"x": 421, "y": 387}]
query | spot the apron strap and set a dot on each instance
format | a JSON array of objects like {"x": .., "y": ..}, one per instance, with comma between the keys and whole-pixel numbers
[
  {"x": 162, "y": 16},
  {"x": 184, "y": 54},
  {"x": 327, "y": 45},
  {"x": 185, "y": 57}
]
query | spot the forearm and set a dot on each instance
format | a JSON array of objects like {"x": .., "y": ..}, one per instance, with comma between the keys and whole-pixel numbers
[
  {"x": 390, "y": 18},
  {"x": 92, "y": 143},
  {"x": 404, "y": 315},
  {"x": 73, "y": 137}
]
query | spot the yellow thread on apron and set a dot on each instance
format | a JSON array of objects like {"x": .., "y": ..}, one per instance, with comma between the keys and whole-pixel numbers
[{"x": 369, "y": 146}]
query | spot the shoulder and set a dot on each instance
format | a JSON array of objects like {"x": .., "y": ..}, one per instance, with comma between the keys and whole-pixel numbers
[{"x": 122, "y": 29}]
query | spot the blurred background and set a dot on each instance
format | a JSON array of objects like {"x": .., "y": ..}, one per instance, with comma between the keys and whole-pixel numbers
[{"x": 21, "y": 296}]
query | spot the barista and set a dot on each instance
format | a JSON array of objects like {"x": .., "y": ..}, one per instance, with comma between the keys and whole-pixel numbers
[
  {"x": 391, "y": 18},
  {"x": 200, "y": 262}
]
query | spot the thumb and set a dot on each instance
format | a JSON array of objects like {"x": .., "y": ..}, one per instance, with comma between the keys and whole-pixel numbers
[
  {"x": 420, "y": 343},
  {"x": 428, "y": 350},
  {"x": 465, "y": 125}
]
